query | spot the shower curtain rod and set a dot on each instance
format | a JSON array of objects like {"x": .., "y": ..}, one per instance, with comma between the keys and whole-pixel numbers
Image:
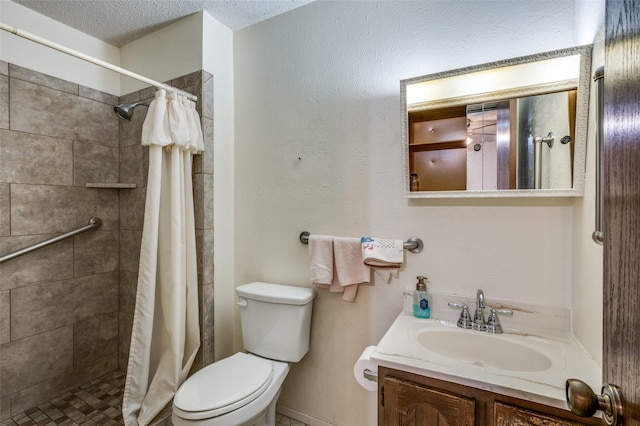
[{"x": 101, "y": 63}]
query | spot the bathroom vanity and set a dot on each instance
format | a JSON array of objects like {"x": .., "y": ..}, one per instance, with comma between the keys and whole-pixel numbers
[
  {"x": 410, "y": 399},
  {"x": 431, "y": 372}
]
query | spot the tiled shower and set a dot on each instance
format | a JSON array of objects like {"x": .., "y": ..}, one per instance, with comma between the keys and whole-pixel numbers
[{"x": 66, "y": 310}]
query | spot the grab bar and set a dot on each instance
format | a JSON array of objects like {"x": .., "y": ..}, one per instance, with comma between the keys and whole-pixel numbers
[
  {"x": 94, "y": 223},
  {"x": 598, "y": 77},
  {"x": 413, "y": 244}
]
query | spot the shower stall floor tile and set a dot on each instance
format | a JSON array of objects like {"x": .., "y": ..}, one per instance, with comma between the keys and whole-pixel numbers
[{"x": 98, "y": 402}]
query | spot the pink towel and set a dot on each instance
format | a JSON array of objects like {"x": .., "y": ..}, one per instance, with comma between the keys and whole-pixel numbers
[
  {"x": 336, "y": 265},
  {"x": 350, "y": 270},
  {"x": 321, "y": 254}
]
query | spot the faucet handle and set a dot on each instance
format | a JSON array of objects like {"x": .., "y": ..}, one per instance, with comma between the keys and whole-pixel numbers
[
  {"x": 465, "y": 317},
  {"x": 493, "y": 323}
]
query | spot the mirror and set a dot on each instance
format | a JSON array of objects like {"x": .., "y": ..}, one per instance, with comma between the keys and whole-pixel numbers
[{"x": 505, "y": 129}]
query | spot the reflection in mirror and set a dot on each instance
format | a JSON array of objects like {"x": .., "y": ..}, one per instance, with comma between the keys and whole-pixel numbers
[{"x": 514, "y": 128}]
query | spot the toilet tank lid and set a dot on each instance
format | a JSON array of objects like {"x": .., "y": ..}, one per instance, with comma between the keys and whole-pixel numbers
[{"x": 276, "y": 293}]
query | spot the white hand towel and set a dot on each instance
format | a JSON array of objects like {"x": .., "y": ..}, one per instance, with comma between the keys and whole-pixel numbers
[
  {"x": 350, "y": 269},
  {"x": 321, "y": 257},
  {"x": 386, "y": 256}
]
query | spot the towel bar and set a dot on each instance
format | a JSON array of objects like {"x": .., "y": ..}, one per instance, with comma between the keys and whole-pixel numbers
[{"x": 413, "y": 244}]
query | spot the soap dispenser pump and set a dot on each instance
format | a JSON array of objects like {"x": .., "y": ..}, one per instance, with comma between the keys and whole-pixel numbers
[{"x": 421, "y": 305}]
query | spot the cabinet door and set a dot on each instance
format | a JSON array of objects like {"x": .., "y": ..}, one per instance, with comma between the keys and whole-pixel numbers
[
  {"x": 507, "y": 415},
  {"x": 407, "y": 403}
]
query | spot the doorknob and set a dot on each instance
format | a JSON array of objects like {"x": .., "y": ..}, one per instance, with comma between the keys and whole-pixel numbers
[{"x": 583, "y": 402}]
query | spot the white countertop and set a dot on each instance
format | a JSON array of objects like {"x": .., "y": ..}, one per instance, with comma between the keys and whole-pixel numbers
[{"x": 400, "y": 349}]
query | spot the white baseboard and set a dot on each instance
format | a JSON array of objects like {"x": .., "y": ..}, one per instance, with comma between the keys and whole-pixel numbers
[{"x": 296, "y": 415}]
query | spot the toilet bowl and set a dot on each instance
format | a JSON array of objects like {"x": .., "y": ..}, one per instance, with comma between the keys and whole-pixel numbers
[{"x": 243, "y": 389}]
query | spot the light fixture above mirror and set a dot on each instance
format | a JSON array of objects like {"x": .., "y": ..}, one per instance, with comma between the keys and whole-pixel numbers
[{"x": 511, "y": 128}]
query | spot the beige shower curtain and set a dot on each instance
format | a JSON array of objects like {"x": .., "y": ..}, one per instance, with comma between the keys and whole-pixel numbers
[{"x": 165, "y": 335}]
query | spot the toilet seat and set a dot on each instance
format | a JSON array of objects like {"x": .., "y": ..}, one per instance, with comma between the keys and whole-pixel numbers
[{"x": 223, "y": 386}]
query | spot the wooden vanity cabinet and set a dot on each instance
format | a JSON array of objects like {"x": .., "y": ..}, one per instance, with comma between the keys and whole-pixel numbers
[{"x": 410, "y": 399}]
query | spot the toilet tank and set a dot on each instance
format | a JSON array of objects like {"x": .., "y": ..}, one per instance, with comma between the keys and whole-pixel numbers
[{"x": 276, "y": 320}]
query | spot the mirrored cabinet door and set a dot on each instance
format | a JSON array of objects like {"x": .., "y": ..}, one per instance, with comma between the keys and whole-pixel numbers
[{"x": 505, "y": 129}]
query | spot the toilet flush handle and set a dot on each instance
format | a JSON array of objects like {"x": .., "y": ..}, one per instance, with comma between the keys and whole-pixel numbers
[{"x": 243, "y": 303}]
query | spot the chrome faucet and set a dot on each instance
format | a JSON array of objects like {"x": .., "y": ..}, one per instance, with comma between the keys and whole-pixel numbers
[
  {"x": 478, "y": 317},
  {"x": 492, "y": 325}
]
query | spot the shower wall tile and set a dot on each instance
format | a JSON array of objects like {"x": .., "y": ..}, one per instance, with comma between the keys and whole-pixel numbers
[
  {"x": 95, "y": 253},
  {"x": 43, "y": 307},
  {"x": 134, "y": 161},
  {"x": 148, "y": 94},
  {"x": 39, "y": 209},
  {"x": 123, "y": 360},
  {"x": 129, "y": 98},
  {"x": 208, "y": 200},
  {"x": 94, "y": 163},
  {"x": 95, "y": 338},
  {"x": 130, "y": 250},
  {"x": 207, "y": 155},
  {"x": 198, "y": 200},
  {"x": 5, "y": 319},
  {"x": 203, "y": 200},
  {"x": 207, "y": 98},
  {"x": 44, "y": 111},
  {"x": 59, "y": 320},
  {"x": 5, "y": 408},
  {"x": 204, "y": 356},
  {"x": 21, "y": 73},
  {"x": 124, "y": 333},
  {"x": 207, "y": 256},
  {"x": 5, "y": 222},
  {"x": 187, "y": 81},
  {"x": 4, "y": 102},
  {"x": 127, "y": 284},
  {"x": 203, "y": 162},
  {"x": 132, "y": 203},
  {"x": 199, "y": 255},
  {"x": 43, "y": 391},
  {"x": 27, "y": 158},
  {"x": 130, "y": 132},
  {"x": 23, "y": 363},
  {"x": 208, "y": 352},
  {"x": 206, "y": 312},
  {"x": 97, "y": 95},
  {"x": 51, "y": 263}
]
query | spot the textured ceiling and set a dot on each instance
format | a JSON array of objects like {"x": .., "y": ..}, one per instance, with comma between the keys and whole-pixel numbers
[{"x": 119, "y": 22}]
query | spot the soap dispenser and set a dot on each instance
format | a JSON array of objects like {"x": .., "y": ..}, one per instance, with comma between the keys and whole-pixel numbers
[{"x": 421, "y": 305}]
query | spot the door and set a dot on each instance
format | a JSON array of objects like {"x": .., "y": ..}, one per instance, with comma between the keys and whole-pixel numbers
[{"x": 621, "y": 340}]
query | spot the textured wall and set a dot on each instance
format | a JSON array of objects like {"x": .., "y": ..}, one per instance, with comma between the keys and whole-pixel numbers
[
  {"x": 59, "y": 323},
  {"x": 321, "y": 83}
]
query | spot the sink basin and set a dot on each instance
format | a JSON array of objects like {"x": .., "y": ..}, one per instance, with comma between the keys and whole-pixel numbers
[
  {"x": 483, "y": 349},
  {"x": 526, "y": 364}
]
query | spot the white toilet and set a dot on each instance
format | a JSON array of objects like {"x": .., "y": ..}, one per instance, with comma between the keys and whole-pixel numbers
[{"x": 242, "y": 390}]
